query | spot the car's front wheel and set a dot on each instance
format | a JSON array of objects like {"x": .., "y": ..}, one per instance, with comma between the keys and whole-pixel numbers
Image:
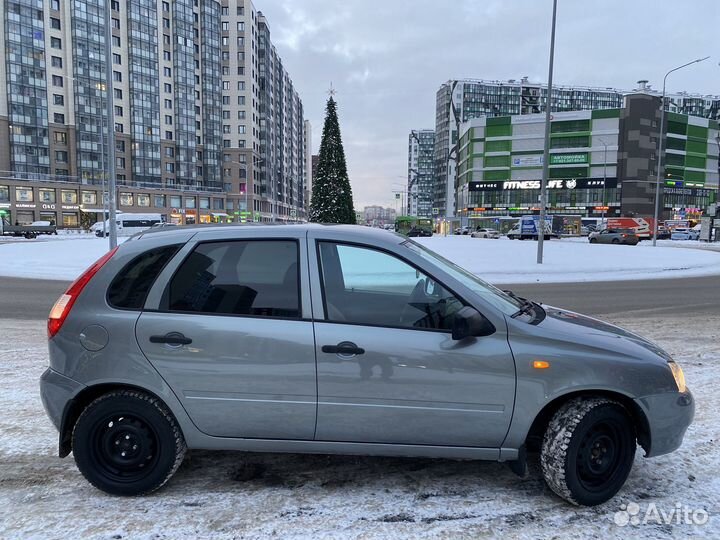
[
  {"x": 127, "y": 443},
  {"x": 588, "y": 450}
]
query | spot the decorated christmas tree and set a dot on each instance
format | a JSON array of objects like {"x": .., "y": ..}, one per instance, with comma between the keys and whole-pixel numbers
[{"x": 332, "y": 195}]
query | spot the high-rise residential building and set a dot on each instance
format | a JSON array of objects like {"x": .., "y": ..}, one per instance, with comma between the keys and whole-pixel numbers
[
  {"x": 602, "y": 163},
  {"x": 421, "y": 172},
  {"x": 458, "y": 101},
  {"x": 307, "y": 141},
  {"x": 201, "y": 100}
]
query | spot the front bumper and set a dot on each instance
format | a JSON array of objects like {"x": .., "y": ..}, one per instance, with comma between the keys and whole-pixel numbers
[
  {"x": 56, "y": 391},
  {"x": 669, "y": 416}
]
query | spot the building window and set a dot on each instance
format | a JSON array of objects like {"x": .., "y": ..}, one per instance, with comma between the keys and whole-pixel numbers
[
  {"x": 118, "y": 93},
  {"x": 59, "y": 118},
  {"x": 167, "y": 72},
  {"x": 225, "y": 11},
  {"x": 143, "y": 199},
  {"x": 205, "y": 203},
  {"x": 170, "y": 151},
  {"x": 117, "y": 76},
  {"x": 241, "y": 85},
  {"x": 167, "y": 55},
  {"x": 241, "y": 143},
  {"x": 225, "y": 26},
  {"x": 57, "y": 80},
  {"x": 166, "y": 6},
  {"x": 170, "y": 168},
  {"x": 120, "y": 162},
  {"x": 226, "y": 115},
  {"x": 241, "y": 129},
  {"x": 60, "y": 137},
  {"x": 56, "y": 62},
  {"x": 166, "y": 22},
  {"x": 241, "y": 100},
  {"x": 58, "y": 99},
  {"x": 166, "y": 39},
  {"x": 115, "y": 5},
  {"x": 117, "y": 59},
  {"x": 69, "y": 196},
  {"x": 70, "y": 220},
  {"x": 89, "y": 197},
  {"x": 159, "y": 201},
  {"x": 226, "y": 143},
  {"x": 226, "y": 85},
  {"x": 175, "y": 201},
  {"x": 226, "y": 128},
  {"x": 189, "y": 202},
  {"x": 54, "y": 23},
  {"x": 169, "y": 135},
  {"x": 168, "y": 88},
  {"x": 118, "y": 110},
  {"x": 61, "y": 156},
  {"x": 61, "y": 172},
  {"x": 47, "y": 195},
  {"x": 120, "y": 146},
  {"x": 241, "y": 10},
  {"x": 56, "y": 43},
  {"x": 55, "y": 5},
  {"x": 240, "y": 26},
  {"x": 241, "y": 115},
  {"x": 23, "y": 194},
  {"x": 116, "y": 41},
  {"x": 119, "y": 127},
  {"x": 168, "y": 119},
  {"x": 116, "y": 23},
  {"x": 226, "y": 100},
  {"x": 126, "y": 199},
  {"x": 168, "y": 103}
]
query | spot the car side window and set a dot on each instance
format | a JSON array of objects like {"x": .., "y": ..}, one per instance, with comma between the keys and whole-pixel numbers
[
  {"x": 255, "y": 277},
  {"x": 368, "y": 286}
]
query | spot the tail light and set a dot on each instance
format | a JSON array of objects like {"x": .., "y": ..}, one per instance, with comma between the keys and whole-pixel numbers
[
  {"x": 64, "y": 304},
  {"x": 624, "y": 235}
]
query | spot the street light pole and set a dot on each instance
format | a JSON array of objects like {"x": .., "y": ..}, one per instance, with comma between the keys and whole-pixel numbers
[
  {"x": 602, "y": 219},
  {"x": 656, "y": 215},
  {"x": 112, "y": 190},
  {"x": 546, "y": 154}
]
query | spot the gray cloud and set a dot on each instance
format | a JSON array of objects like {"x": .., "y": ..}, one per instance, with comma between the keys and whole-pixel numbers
[{"x": 387, "y": 60}]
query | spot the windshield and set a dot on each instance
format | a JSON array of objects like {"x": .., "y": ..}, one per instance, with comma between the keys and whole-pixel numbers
[{"x": 491, "y": 294}]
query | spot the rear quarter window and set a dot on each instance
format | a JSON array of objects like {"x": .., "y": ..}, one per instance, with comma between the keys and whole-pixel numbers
[{"x": 132, "y": 284}]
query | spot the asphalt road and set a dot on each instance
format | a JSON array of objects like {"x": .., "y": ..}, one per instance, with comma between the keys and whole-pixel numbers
[{"x": 31, "y": 299}]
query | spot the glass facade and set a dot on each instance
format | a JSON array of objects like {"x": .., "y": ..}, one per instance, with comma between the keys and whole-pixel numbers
[
  {"x": 26, "y": 86},
  {"x": 211, "y": 97},
  {"x": 144, "y": 91},
  {"x": 184, "y": 89},
  {"x": 421, "y": 167}
]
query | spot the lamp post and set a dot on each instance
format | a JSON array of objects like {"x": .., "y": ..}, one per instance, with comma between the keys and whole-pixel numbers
[
  {"x": 546, "y": 153},
  {"x": 656, "y": 215}
]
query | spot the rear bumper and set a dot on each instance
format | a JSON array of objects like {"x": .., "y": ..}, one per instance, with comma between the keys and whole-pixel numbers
[
  {"x": 56, "y": 391},
  {"x": 669, "y": 416}
]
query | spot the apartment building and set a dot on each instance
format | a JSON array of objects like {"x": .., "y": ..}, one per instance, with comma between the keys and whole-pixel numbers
[
  {"x": 421, "y": 172},
  {"x": 458, "y": 101},
  {"x": 201, "y": 100}
]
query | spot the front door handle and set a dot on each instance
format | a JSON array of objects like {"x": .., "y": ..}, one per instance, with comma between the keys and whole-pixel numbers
[
  {"x": 345, "y": 348},
  {"x": 173, "y": 338}
]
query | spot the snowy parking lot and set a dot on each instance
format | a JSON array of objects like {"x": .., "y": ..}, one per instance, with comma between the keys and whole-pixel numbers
[
  {"x": 235, "y": 495},
  {"x": 497, "y": 261}
]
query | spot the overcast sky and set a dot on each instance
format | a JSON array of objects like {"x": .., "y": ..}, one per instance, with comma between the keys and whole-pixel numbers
[{"x": 387, "y": 60}]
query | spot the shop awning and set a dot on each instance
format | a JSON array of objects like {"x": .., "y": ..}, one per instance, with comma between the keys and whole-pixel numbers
[{"x": 219, "y": 214}]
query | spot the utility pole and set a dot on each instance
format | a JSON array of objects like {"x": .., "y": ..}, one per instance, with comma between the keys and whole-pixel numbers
[
  {"x": 109, "y": 95},
  {"x": 546, "y": 154}
]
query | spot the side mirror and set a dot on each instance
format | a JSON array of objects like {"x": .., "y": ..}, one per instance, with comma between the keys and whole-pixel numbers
[{"x": 468, "y": 322}]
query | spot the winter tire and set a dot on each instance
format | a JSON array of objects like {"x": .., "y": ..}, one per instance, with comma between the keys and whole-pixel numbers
[
  {"x": 593, "y": 240},
  {"x": 615, "y": 241},
  {"x": 127, "y": 443},
  {"x": 588, "y": 450}
]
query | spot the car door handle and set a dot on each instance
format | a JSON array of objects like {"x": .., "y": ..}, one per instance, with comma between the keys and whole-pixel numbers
[
  {"x": 173, "y": 338},
  {"x": 345, "y": 348}
]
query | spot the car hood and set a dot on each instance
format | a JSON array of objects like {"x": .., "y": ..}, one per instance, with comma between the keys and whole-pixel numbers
[{"x": 587, "y": 332}]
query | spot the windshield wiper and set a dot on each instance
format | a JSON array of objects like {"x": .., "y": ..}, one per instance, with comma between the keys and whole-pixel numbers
[{"x": 526, "y": 306}]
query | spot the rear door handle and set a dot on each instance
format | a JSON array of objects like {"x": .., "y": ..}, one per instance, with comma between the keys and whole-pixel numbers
[
  {"x": 345, "y": 348},
  {"x": 173, "y": 338}
]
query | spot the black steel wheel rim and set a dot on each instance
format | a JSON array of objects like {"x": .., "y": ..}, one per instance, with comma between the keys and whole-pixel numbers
[
  {"x": 124, "y": 447},
  {"x": 600, "y": 456}
]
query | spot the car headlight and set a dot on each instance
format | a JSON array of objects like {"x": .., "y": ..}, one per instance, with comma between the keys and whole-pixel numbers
[{"x": 678, "y": 375}]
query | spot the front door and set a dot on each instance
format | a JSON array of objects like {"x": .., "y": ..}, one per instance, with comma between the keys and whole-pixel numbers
[
  {"x": 388, "y": 368},
  {"x": 230, "y": 340}
]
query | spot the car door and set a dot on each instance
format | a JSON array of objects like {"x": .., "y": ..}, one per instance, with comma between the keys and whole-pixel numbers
[
  {"x": 388, "y": 368},
  {"x": 231, "y": 333}
]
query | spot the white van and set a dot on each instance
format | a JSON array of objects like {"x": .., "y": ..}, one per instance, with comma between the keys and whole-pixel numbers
[{"x": 129, "y": 224}]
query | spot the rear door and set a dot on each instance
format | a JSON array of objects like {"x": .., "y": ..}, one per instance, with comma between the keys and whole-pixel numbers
[{"x": 230, "y": 335}]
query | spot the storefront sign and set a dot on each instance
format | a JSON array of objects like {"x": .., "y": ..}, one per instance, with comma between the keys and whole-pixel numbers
[
  {"x": 25, "y": 205},
  {"x": 693, "y": 192},
  {"x": 47, "y": 206},
  {"x": 527, "y": 161},
  {"x": 568, "y": 159},
  {"x": 70, "y": 207},
  {"x": 5, "y": 205},
  {"x": 570, "y": 183}
]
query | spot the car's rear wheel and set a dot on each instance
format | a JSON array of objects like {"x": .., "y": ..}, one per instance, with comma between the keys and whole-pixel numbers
[
  {"x": 588, "y": 450},
  {"x": 593, "y": 240},
  {"x": 127, "y": 443},
  {"x": 615, "y": 241}
]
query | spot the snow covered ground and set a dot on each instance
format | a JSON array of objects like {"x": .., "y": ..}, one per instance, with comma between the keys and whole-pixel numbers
[
  {"x": 233, "y": 495},
  {"x": 497, "y": 261}
]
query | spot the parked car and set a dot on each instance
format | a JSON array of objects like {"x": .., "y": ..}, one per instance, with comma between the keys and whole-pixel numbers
[
  {"x": 614, "y": 236},
  {"x": 462, "y": 230},
  {"x": 33, "y": 230},
  {"x": 341, "y": 339},
  {"x": 684, "y": 233},
  {"x": 419, "y": 231},
  {"x": 485, "y": 233}
]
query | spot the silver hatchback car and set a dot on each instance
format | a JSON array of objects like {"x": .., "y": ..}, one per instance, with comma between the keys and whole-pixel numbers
[{"x": 347, "y": 340}]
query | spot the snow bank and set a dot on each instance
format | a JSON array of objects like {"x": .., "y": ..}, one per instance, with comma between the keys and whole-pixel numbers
[
  {"x": 497, "y": 261},
  {"x": 513, "y": 261}
]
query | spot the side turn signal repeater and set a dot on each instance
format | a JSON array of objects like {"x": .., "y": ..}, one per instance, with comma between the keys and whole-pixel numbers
[{"x": 540, "y": 364}]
